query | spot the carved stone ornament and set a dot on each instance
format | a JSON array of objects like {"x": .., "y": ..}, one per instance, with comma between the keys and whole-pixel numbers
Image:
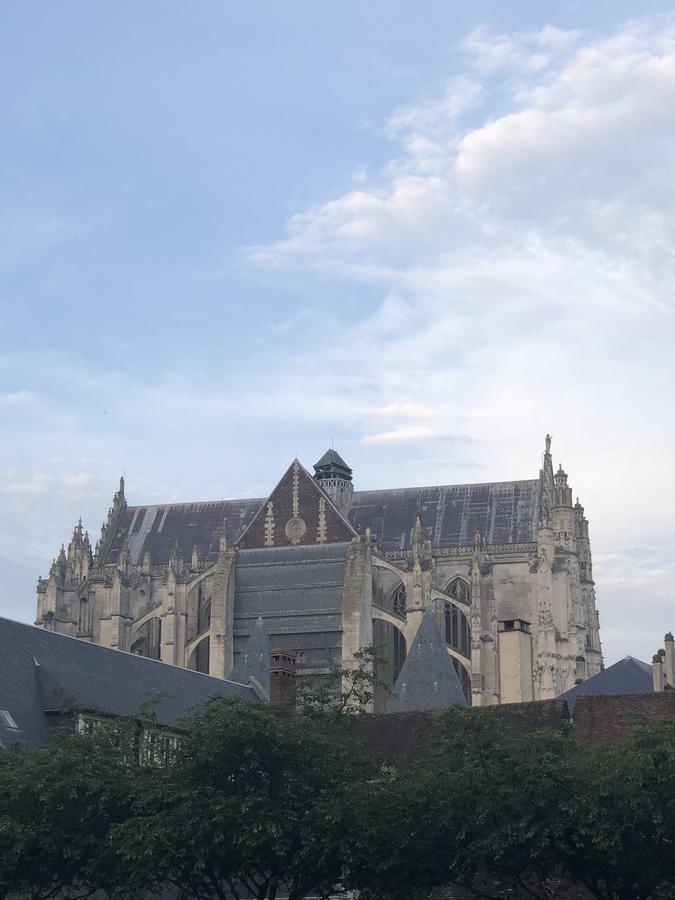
[{"x": 295, "y": 529}]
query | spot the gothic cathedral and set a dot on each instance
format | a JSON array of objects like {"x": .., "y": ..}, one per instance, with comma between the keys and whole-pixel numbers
[{"x": 504, "y": 567}]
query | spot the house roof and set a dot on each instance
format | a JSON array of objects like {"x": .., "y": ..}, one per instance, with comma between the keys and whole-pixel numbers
[
  {"x": 627, "y": 676},
  {"x": 42, "y": 672}
]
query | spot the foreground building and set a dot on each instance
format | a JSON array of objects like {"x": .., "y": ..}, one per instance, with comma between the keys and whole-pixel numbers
[
  {"x": 50, "y": 680},
  {"x": 505, "y": 566}
]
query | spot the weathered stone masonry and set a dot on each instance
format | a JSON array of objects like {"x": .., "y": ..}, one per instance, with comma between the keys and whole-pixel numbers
[{"x": 507, "y": 567}]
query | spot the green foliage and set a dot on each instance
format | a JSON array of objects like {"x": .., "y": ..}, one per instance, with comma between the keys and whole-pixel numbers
[
  {"x": 343, "y": 692},
  {"x": 57, "y": 806},
  {"x": 253, "y": 804},
  {"x": 622, "y": 844},
  {"x": 261, "y": 801},
  {"x": 506, "y": 813}
]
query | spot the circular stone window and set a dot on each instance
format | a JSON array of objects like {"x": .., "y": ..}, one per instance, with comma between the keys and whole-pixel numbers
[{"x": 295, "y": 529}]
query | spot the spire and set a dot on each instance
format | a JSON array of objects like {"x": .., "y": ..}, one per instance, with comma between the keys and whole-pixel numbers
[
  {"x": 254, "y": 662},
  {"x": 563, "y": 493},
  {"x": 427, "y": 679},
  {"x": 546, "y": 486}
]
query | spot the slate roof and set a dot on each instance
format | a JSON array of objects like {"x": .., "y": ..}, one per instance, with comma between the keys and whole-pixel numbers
[
  {"x": 332, "y": 458},
  {"x": 627, "y": 676},
  {"x": 427, "y": 679},
  {"x": 156, "y": 529},
  {"x": 42, "y": 671},
  {"x": 505, "y": 513}
]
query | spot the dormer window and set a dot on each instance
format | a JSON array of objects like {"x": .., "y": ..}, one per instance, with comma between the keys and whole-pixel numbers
[{"x": 7, "y": 720}]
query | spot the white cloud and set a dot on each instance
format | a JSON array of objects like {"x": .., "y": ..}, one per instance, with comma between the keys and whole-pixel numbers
[{"x": 522, "y": 239}]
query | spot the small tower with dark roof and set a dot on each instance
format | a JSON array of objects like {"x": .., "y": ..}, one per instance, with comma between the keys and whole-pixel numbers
[
  {"x": 427, "y": 679},
  {"x": 335, "y": 477}
]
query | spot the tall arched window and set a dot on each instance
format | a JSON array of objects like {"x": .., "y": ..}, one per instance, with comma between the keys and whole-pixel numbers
[
  {"x": 203, "y": 610},
  {"x": 464, "y": 679},
  {"x": 457, "y": 630},
  {"x": 149, "y": 639},
  {"x": 84, "y": 617}
]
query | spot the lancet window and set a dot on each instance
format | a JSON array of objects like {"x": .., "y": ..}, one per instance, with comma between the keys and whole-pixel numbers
[
  {"x": 457, "y": 630},
  {"x": 84, "y": 617},
  {"x": 464, "y": 678}
]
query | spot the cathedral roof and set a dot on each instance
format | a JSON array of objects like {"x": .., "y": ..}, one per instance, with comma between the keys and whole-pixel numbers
[
  {"x": 627, "y": 676},
  {"x": 504, "y": 513},
  {"x": 427, "y": 679},
  {"x": 43, "y": 672}
]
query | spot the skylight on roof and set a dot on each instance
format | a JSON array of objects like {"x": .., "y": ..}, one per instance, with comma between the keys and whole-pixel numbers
[{"x": 7, "y": 720}]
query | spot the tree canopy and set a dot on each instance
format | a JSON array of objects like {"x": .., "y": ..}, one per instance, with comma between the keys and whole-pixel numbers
[{"x": 263, "y": 801}]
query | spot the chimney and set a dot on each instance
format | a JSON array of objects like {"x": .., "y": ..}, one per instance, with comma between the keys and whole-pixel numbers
[
  {"x": 657, "y": 671},
  {"x": 283, "y": 672},
  {"x": 670, "y": 660}
]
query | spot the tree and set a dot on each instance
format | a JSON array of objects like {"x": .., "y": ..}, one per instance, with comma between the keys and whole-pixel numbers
[
  {"x": 504, "y": 812},
  {"x": 344, "y": 692},
  {"x": 254, "y": 803},
  {"x": 57, "y": 806},
  {"x": 481, "y": 811},
  {"x": 622, "y": 840}
]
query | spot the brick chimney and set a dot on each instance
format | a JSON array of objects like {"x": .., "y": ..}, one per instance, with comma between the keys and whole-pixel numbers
[{"x": 283, "y": 671}]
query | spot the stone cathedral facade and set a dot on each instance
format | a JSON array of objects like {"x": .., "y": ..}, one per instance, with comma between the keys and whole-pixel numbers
[{"x": 506, "y": 568}]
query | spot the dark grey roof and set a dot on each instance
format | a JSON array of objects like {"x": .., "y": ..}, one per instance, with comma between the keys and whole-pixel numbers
[
  {"x": 157, "y": 529},
  {"x": 504, "y": 513},
  {"x": 427, "y": 679},
  {"x": 41, "y": 671},
  {"x": 254, "y": 662},
  {"x": 331, "y": 458},
  {"x": 627, "y": 676}
]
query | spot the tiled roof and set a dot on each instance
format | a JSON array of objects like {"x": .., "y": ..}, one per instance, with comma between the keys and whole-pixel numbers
[{"x": 42, "y": 671}]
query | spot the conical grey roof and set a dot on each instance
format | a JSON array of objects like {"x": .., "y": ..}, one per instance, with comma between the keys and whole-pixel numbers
[
  {"x": 255, "y": 660},
  {"x": 427, "y": 679}
]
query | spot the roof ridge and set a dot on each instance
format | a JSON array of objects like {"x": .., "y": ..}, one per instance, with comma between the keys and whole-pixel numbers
[
  {"x": 414, "y": 487},
  {"x": 70, "y": 637}
]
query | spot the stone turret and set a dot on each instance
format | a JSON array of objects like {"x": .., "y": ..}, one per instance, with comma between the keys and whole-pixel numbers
[
  {"x": 335, "y": 477},
  {"x": 79, "y": 555}
]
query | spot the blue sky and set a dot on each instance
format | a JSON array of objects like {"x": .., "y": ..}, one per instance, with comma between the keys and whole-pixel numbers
[{"x": 431, "y": 232}]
